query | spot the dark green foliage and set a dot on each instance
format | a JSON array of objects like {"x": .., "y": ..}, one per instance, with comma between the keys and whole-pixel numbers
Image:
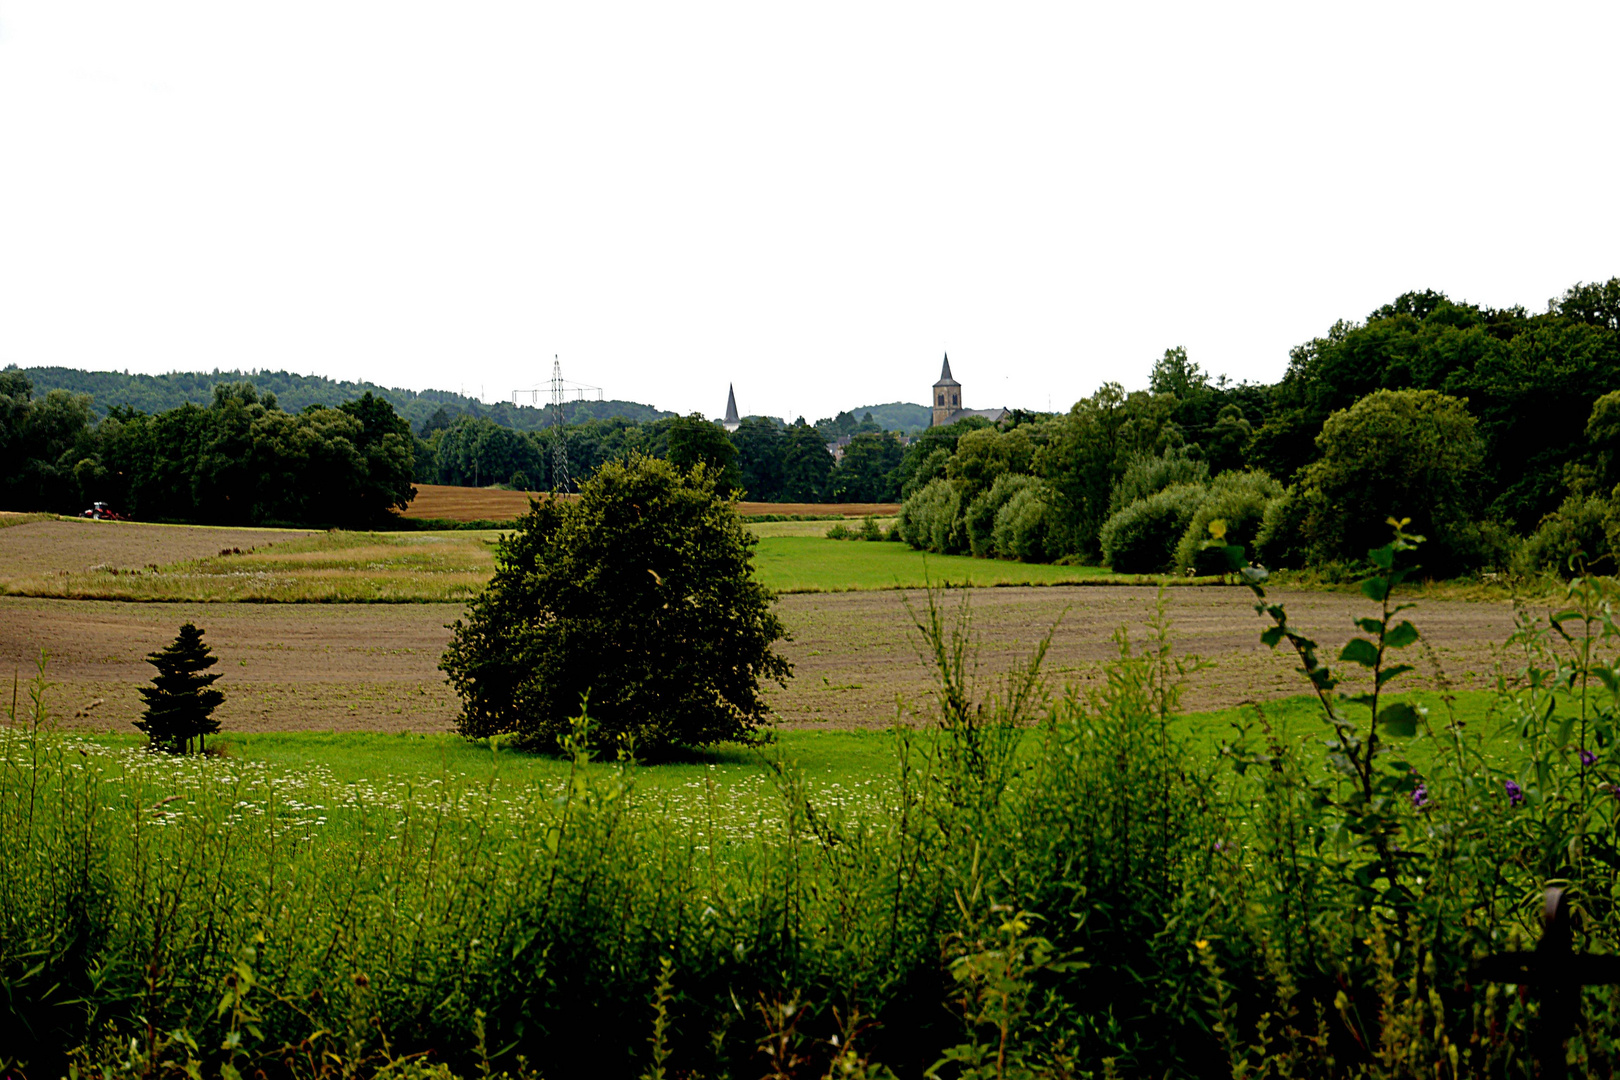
[
  {"x": 694, "y": 441},
  {"x": 1239, "y": 501},
  {"x": 241, "y": 460},
  {"x": 181, "y": 700},
  {"x": 1088, "y": 449},
  {"x": 1280, "y": 543},
  {"x": 1149, "y": 474},
  {"x": 1575, "y": 539},
  {"x": 1142, "y": 538},
  {"x": 1523, "y": 376},
  {"x": 761, "y": 458},
  {"x": 1028, "y": 528},
  {"x": 869, "y": 471},
  {"x": 980, "y": 517},
  {"x": 932, "y": 521},
  {"x": 807, "y": 466},
  {"x": 1396, "y": 453},
  {"x": 640, "y": 595}
]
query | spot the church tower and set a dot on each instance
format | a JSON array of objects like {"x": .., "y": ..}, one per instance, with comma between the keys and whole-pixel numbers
[
  {"x": 731, "y": 422},
  {"x": 947, "y": 395}
]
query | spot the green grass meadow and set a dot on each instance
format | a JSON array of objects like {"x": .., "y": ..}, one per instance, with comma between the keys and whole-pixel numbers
[
  {"x": 827, "y": 760},
  {"x": 451, "y": 566},
  {"x": 801, "y": 564}
]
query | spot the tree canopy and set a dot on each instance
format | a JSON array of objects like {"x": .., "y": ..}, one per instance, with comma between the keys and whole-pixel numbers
[{"x": 640, "y": 597}]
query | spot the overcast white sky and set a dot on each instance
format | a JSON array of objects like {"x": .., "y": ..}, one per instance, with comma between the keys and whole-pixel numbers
[{"x": 811, "y": 201}]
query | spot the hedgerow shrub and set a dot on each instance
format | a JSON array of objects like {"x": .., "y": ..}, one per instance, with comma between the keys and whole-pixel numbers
[
  {"x": 1280, "y": 542},
  {"x": 1141, "y": 538},
  {"x": 1027, "y": 528},
  {"x": 931, "y": 519},
  {"x": 1407, "y": 454},
  {"x": 1240, "y": 500},
  {"x": 639, "y": 594},
  {"x": 1574, "y": 539},
  {"x": 980, "y": 519},
  {"x": 1149, "y": 474}
]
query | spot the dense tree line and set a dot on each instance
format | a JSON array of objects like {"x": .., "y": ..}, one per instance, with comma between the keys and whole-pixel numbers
[
  {"x": 1495, "y": 431},
  {"x": 1492, "y": 429},
  {"x": 763, "y": 459},
  {"x": 240, "y": 460}
]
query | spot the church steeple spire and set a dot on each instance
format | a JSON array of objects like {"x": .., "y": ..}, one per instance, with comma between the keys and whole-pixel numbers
[
  {"x": 732, "y": 421},
  {"x": 947, "y": 395}
]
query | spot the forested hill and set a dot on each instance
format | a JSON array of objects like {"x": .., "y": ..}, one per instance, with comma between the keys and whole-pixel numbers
[
  {"x": 897, "y": 416},
  {"x": 158, "y": 393}
]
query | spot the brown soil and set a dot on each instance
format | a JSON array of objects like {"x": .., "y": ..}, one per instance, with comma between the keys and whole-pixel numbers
[
  {"x": 855, "y": 654},
  {"x": 445, "y": 503},
  {"x": 287, "y": 667},
  {"x": 77, "y": 544},
  {"x": 374, "y": 667}
]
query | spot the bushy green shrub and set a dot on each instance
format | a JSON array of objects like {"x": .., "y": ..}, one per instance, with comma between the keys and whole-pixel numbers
[
  {"x": 931, "y": 519},
  {"x": 1575, "y": 538},
  {"x": 1280, "y": 542},
  {"x": 1141, "y": 538},
  {"x": 639, "y": 594},
  {"x": 1240, "y": 500},
  {"x": 1404, "y": 454},
  {"x": 1149, "y": 474},
  {"x": 980, "y": 520},
  {"x": 1026, "y": 527}
]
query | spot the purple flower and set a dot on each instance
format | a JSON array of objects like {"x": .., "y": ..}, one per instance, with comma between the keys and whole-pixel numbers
[
  {"x": 1420, "y": 797},
  {"x": 1588, "y": 759},
  {"x": 1515, "y": 793}
]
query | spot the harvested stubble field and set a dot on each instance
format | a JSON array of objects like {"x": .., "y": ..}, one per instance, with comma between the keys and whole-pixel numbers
[
  {"x": 352, "y": 667},
  {"x": 45, "y": 546},
  {"x": 72, "y": 560},
  {"x": 441, "y": 502},
  {"x": 129, "y": 561},
  {"x": 373, "y": 666}
]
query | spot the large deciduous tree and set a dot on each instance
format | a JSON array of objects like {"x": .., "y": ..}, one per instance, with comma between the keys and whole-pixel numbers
[
  {"x": 641, "y": 595},
  {"x": 695, "y": 441},
  {"x": 1395, "y": 453}
]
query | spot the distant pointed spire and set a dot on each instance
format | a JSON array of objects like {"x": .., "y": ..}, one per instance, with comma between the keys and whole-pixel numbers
[
  {"x": 732, "y": 422},
  {"x": 945, "y": 374}
]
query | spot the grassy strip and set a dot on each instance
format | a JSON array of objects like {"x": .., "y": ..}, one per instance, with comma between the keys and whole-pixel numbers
[
  {"x": 450, "y": 566},
  {"x": 824, "y": 757}
]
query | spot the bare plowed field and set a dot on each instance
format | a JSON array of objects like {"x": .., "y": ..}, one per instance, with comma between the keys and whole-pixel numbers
[
  {"x": 445, "y": 503},
  {"x": 374, "y": 667},
  {"x": 75, "y": 544}
]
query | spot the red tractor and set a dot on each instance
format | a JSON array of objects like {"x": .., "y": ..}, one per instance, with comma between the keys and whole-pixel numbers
[{"x": 102, "y": 512}]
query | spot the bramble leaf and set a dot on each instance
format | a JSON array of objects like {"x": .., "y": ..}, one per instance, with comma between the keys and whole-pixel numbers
[
  {"x": 1400, "y": 635},
  {"x": 1272, "y": 636},
  {"x": 1399, "y": 719},
  {"x": 1376, "y": 589},
  {"x": 1360, "y": 651}
]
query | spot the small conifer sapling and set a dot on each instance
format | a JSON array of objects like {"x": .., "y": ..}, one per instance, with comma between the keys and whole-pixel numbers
[{"x": 181, "y": 699}]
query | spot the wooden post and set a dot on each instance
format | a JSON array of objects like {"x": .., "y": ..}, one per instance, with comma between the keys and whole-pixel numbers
[{"x": 1557, "y": 973}]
